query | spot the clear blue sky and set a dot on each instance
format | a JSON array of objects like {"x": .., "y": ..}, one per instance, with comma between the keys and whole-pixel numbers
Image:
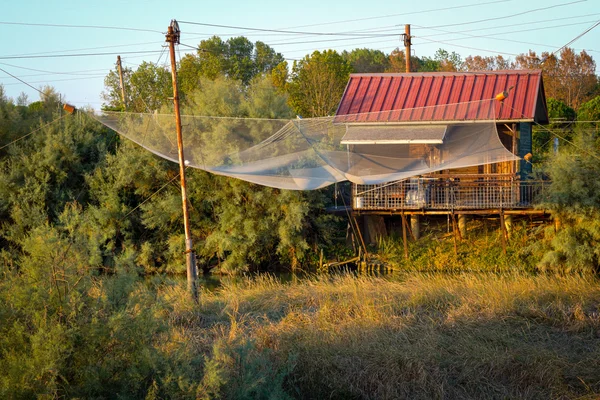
[{"x": 80, "y": 79}]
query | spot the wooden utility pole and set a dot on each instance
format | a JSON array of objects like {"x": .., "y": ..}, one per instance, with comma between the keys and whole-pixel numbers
[
  {"x": 407, "y": 43},
  {"x": 192, "y": 271},
  {"x": 119, "y": 67}
]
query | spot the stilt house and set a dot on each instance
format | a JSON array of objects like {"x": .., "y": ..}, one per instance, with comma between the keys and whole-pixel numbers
[{"x": 488, "y": 188}]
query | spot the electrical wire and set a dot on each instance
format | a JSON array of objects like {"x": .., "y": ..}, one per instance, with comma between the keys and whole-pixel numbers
[
  {"x": 527, "y": 23},
  {"x": 382, "y": 16},
  {"x": 507, "y": 16},
  {"x": 53, "y": 72},
  {"x": 556, "y": 134},
  {"x": 79, "y": 26},
  {"x": 279, "y": 31},
  {"x": 22, "y": 81},
  {"x": 79, "y": 55},
  {"x": 34, "y": 131},
  {"x": 578, "y": 36},
  {"x": 470, "y": 48},
  {"x": 85, "y": 49},
  {"x": 98, "y": 76},
  {"x": 492, "y": 36},
  {"x": 149, "y": 197}
]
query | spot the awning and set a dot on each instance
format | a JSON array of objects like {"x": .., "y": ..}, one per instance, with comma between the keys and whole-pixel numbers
[{"x": 399, "y": 134}]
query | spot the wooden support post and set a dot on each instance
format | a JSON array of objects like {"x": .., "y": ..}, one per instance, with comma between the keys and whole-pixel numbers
[
  {"x": 514, "y": 148},
  {"x": 454, "y": 233},
  {"x": 415, "y": 226},
  {"x": 503, "y": 229},
  {"x": 404, "y": 238},
  {"x": 462, "y": 225},
  {"x": 407, "y": 43},
  {"x": 190, "y": 257},
  {"x": 360, "y": 236},
  {"x": 120, "y": 69},
  {"x": 508, "y": 223}
]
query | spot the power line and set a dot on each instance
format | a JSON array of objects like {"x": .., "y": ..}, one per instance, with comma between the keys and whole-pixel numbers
[
  {"x": 22, "y": 81},
  {"x": 506, "y": 16},
  {"x": 83, "y": 49},
  {"x": 149, "y": 197},
  {"x": 578, "y": 36},
  {"x": 280, "y": 31},
  {"x": 404, "y": 14},
  {"x": 556, "y": 134},
  {"x": 492, "y": 36},
  {"x": 53, "y": 72},
  {"x": 382, "y": 16},
  {"x": 82, "y": 78},
  {"x": 470, "y": 48},
  {"x": 79, "y": 26},
  {"x": 34, "y": 131},
  {"x": 503, "y": 27},
  {"x": 80, "y": 55}
]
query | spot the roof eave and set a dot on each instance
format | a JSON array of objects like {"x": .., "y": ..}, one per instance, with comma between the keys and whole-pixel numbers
[{"x": 445, "y": 122}]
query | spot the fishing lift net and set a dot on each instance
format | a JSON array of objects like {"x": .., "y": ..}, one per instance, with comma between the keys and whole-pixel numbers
[{"x": 307, "y": 154}]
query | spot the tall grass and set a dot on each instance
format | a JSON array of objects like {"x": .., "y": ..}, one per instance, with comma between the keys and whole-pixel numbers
[
  {"x": 480, "y": 251},
  {"x": 430, "y": 336}
]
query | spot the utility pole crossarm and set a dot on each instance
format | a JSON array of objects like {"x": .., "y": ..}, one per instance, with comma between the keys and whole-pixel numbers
[{"x": 192, "y": 272}]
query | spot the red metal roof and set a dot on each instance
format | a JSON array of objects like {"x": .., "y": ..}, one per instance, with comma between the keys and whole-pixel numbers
[{"x": 446, "y": 96}]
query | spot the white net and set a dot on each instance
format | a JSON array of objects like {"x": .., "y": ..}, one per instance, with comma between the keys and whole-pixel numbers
[{"x": 306, "y": 154}]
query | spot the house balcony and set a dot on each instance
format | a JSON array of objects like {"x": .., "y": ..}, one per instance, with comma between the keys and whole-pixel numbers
[{"x": 450, "y": 193}]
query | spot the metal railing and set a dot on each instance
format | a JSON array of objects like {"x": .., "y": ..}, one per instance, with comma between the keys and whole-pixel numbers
[{"x": 452, "y": 193}]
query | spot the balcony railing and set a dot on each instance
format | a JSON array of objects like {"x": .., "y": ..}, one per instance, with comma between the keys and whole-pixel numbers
[{"x": 452, "y": 193}]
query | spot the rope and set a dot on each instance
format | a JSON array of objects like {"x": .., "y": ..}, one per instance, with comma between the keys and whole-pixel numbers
[
  {"x": 149, "y": 197},
  {"x": 34, "y": 131}
]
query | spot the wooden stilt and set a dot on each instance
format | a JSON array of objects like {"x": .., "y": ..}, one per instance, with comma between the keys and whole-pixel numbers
[
  {"x": 404, "y": 225},
  {"x": 504, "y": 235},
  {"x": 454, "y": 233},
  {"x": 360, "y": 237}
]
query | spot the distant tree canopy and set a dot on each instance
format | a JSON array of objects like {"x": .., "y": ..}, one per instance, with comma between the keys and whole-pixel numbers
[
  {"x": 237, "y": 58},
  {"x": 366, "y": 60},
  {"x": 146, "y": 89},
  {"x": 590, "y": 110},
  {"x": 317, "y": 83}
]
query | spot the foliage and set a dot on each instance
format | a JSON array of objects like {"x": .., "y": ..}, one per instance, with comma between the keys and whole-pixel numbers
[
  {"x": 574, "y": 200},
  {"x": 237, "y": 58},
  {"x": 487, "y": 63},
  {"x": 317, "y": 83},
  {"x": 590, "y": 110},
  {"x": 543, "y": 137},
  {"x": 571, "y": 77},
  {"x": 147, "y": 88},
  {"x": 366, "y": 60}
]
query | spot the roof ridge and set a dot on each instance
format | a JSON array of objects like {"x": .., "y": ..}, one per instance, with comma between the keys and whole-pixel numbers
[{"x": 452, "y": 73}]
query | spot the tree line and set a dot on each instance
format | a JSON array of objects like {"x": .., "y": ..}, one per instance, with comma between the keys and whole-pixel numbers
[{"x": 110, "y": 188}]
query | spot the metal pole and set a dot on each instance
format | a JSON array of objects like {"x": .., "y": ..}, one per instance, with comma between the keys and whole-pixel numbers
[
  {"x": 121, "y": 81},
  {"x": 407, "y": 43},
  {"x": 192, "y": 272}
]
